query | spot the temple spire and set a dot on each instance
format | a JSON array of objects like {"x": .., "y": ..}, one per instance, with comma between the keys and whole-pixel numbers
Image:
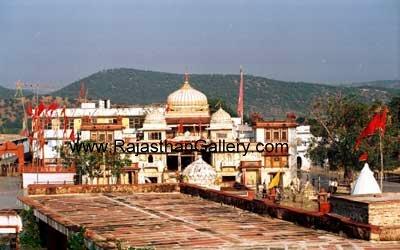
[
  {"x": 240, "y": 96},
  {"x": 186, "y": 77}
]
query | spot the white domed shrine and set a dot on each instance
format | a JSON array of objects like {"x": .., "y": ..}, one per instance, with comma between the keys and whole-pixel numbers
[
  {"x": 155, "y": 120},
  {"x": 200, "y": 173},
  {"x": 221, "y": 120}
]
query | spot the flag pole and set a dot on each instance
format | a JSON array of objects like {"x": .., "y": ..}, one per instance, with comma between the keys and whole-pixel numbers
[{"x": 381, "y": 153}]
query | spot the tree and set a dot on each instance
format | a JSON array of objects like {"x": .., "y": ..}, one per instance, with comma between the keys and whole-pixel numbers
[
  {"x": 115, "y": 160},
  {"x": 337, "y": 121},
  {"x": 86, "y": 163},
  {"x": 76, "y": 241},
  {"x": 93, "y": 159},
  {"x": 30, "y": 235}
]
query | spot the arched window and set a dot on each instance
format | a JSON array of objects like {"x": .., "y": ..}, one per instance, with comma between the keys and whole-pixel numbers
[{"x": 150, "y": 159}]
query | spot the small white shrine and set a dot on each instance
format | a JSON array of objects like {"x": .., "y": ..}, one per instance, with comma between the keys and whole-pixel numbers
[
  {"x": 366, "y": 183},
  {"x": 200, "y": 173}
]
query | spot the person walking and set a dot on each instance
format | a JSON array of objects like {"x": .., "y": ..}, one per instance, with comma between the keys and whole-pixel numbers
[{"x": 335, "y": 185}]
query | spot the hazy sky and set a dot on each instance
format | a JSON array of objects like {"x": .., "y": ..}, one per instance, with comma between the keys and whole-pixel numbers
[{"x": 58, "y": 42}]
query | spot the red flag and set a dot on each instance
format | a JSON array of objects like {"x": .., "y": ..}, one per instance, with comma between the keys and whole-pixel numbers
[
  {"x": 240, "y": 97},
  {"x": 382, "y": 124},
  {"x": 378, "y": 122},
  {"x": 39, "y": 109},
  {"x": 180, "y": 127},
  {"x": 65, "y": 119},
  {"x": 28, "y": 109},
  {"x": 53, "y": 106},
  {"x": 363, "y": 157},
  {"x": 63, "y": 112},
  {"x": 72, "y": 135}
]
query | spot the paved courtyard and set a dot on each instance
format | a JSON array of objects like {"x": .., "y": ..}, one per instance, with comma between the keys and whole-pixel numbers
[{"x": 174, "y": 220}]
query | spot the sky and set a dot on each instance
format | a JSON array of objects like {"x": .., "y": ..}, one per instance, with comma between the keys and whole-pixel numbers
[{"x": 330, "y": 41}]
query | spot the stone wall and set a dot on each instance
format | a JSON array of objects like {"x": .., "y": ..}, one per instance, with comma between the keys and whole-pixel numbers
[
  {"x": 384, "y": 214},
  {"x": 42, "y": 189},
  {"x": 380, "y": 213},
  {"x": 357, "y": 211}
]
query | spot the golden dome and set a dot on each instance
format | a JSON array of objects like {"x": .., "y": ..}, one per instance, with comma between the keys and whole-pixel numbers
[{"x": 187, "y": 98}]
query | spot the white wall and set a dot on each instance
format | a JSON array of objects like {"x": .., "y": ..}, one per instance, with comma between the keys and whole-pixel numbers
[
  {"x": 304, "y": 138},
  {"x": 10, "y": 220},
  {"x": 260, "y": 135}
]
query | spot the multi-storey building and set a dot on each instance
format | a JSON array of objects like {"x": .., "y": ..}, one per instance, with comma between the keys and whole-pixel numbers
[{"x": 281, "y": 150}]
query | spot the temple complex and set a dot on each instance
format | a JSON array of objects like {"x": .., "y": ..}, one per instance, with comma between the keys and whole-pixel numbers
[{"x": 184, "y": 119}]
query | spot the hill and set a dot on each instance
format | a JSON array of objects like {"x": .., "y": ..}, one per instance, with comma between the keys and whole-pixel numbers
[
  {"x": 6, "y": 93},
  {"x": 388, "y": 84},
  {"x": 270, "y": 97}
]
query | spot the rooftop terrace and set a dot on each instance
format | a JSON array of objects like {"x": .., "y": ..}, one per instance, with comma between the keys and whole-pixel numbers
[{"x": 175, "y": 220}]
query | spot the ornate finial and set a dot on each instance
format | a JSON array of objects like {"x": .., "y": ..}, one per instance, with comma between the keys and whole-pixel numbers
[
  {"x": 186, "y": 77},
  {"x": 219, "y": 103}
]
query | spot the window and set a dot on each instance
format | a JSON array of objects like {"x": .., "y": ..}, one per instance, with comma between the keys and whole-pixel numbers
[
  {"x": 152, "y": 179},
  {"x": 222, "y": 135},
  {"x": 150, "y": 159},
  {"x": 135, "y": 122},
  {"x": 109, "y": 137},
  {"x": 93, "y": 136},
  {"x": 47, "y": 124},
  {"x": 102, "y": 137},
  {"x": 228, "y": 178},
  {"x": 267, "y": 162},
  {"x": 61, "y": 123},
  {"x": 276, "y": 135},
  {"x": 268, "y": 135},
  {"x": 155, "y": 136},
  {"x": 70, "y": 123},
  {"x": 284, "y": 135}
]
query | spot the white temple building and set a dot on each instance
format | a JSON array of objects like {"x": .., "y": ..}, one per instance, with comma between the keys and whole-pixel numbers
[{"x": 185, "y": 118}]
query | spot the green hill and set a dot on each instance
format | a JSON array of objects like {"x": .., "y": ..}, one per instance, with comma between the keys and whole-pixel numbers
[
  {"x": 6, "y": 93},
  {"x": 387, "y": 84},
  {"x": 270, "y": 97}
]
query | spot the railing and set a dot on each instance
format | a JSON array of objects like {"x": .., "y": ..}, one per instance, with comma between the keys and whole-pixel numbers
[
  {"x": 48, "y": 169},
  {"x": 54, "y": 182}
]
